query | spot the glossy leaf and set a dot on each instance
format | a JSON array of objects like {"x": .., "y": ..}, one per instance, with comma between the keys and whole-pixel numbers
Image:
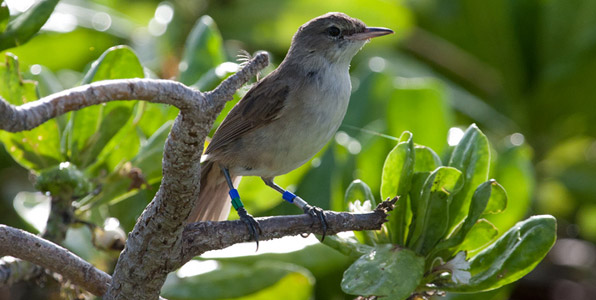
[
  {"x": 347, "y": 245},
  {"x": 512, "y": 256},
  {"x": 418, "y": 181},
  {"x": 514, "y": 170},
  {"x": 359, "y": 190},
  {"x": 479, "y": 236},
  {"x": 396, "y": 181},
  {"x": 203, "y": 51},
  {"x": 398, "y": 167},
  {"x": 20, "y": 29},
  {"x": 431, "y": 214},
  {"x": 263, "y": 280},
  {"x": 386, "y": 271},
  {"x": 426, "y": 159},
  {"x": 472, "y": 157},
  {"x": 93, "y": 130},
  {"x": 34, "y": 149},
  {"x": 478, "y": 206}
]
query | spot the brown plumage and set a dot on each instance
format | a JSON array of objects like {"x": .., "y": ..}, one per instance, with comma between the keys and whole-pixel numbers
[{"x": 288, "y": 116}]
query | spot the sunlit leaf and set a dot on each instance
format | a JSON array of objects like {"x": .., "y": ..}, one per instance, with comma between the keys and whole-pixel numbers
[
  {"x": 426, "y": 159},
  {"x": 512, "y": 256},
  {"x": 514, "y": 171},
  {"x": 20, "y": 29},
  {"x": 381, "y": 272},
  {"x": 480, "y": 235},
  {"x": 396, "y": 181},
  {"x": 203, "y": 51},
  {"x": 93, "y": 130},
  {"x": 34, "y": 149},
  {"x": 347, "y": 245},
  {"x": 264, "y": 280},
  {"x": 489, "y": 191},
  {"x": 431, "y": 220},
  {"x": 359, "y": 190},
  {"x": 472, "y": 157}
]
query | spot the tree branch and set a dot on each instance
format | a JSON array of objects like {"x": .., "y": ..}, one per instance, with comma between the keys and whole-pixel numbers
[
  {"x": 32, "y": 114},
  {"x": 204, "y": 236},
  {"x": 159, "y": 242},
  {"x": 197, "y": 238},
  {"x": 154, "y": 247},
  {"x": 29, "y": 247}
]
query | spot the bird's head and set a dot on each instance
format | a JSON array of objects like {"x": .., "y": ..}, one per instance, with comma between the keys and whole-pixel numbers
[{"x": 336, "y": 37}]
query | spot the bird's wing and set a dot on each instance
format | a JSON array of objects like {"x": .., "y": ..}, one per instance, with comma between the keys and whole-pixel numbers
[{"x": 260, "y": 106}]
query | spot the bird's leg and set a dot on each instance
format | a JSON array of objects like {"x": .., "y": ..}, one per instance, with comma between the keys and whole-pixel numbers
[
  {"x": 313, "y": 211},
  {"x": 253, "y": 226}
]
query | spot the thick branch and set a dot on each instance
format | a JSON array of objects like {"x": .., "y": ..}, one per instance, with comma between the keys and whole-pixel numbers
[
  {"x": 204, "y": 236},
  {"x": 197, "y": 238},
  {"x": 33, "y": 114},
  {"x": 29, "y": 247},
  {"x": 154, "y": 247}
]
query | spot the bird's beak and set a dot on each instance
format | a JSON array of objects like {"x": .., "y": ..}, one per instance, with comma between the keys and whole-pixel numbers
[{"x": 370, "y": 32}]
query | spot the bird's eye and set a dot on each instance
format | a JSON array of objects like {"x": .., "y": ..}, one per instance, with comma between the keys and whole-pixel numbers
[{"x": 333, "y": 31}]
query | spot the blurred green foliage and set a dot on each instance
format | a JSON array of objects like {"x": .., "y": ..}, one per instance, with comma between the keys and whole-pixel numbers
[{"x": 521, "y": 70}]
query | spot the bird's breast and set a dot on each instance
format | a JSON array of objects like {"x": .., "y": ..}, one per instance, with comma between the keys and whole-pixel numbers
[
  {"x": 312, "y": 114},
  {"x": 315, "y": 114}
]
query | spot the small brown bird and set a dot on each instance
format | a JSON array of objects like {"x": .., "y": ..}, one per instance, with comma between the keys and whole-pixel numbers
[{"x": 285, "y": 118}]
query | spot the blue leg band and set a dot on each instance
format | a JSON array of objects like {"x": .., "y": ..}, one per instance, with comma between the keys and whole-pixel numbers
[
  {"x": 236, "y": 203},
  {"x": 288, "y": 196}
]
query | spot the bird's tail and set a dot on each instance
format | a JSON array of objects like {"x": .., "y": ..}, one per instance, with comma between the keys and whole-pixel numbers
[{"x": 213, "y": 203}]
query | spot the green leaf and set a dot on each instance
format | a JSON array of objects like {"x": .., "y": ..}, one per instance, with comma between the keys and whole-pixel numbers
[
  {"x": 116, "y": 186},
  {"x": 359, "y": 190},
  {"x": 115, "y": 63},
  {"x": 357, "y": 194},
  {"x": 34, "y": 149},
  {"x": 414, "y": 197},
  {"x": 487, "y": 192},
  {"x": 203, "y": 51},
  {"x": 472, "y": 157},
  {"x": 20, "y": 29},
  {"x": 479, "y": 236},
  {"x": 514, "y": 170},
  {"x": 386, "y": 271},
  {"x": 512, "y": 256},
  {"x": 426, "y": 159},
  {"x": 100, "y": 131},
  {"x": 4, "y": 16},
  {"x": 264, "y": 280},
  {"x": 396, "y": 181},
  {"x": 347, "y": 245},
  {"x": 431, "y": 220},
  {"x": 398, "y": 167},
  {"x": 498, "y": 199}
]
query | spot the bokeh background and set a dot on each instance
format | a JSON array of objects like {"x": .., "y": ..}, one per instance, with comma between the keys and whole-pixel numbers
[{"x": 523, "y": 71}]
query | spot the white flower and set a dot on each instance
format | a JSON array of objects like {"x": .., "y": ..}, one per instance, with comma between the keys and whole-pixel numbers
[
  {"x": 357, "y": 207},
  {"x": 458, "y": 267}
]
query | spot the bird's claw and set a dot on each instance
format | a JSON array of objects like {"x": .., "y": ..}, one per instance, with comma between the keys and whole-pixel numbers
[
  {"x": 317, "y": 213},
  {"x": 254, "y": 229}
]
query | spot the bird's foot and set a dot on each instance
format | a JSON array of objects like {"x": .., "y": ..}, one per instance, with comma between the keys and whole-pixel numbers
[
  {"x": 253, "y": 226},
  {"x": 318, "y": 214}
]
